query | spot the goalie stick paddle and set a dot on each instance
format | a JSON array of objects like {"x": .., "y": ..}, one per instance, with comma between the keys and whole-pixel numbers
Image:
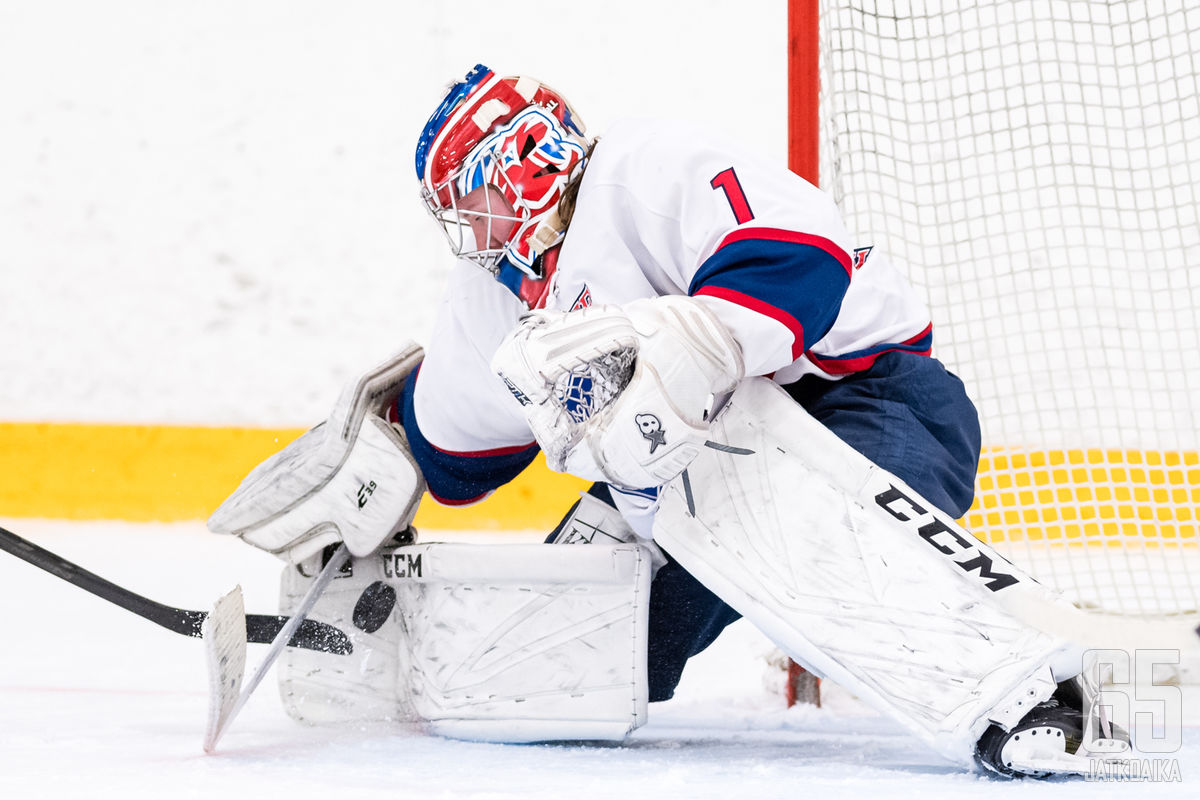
[
  {"x": 260, "y": 628},
  {"x": 225, "y": 648},
  {"x": 225, "y": 652}
]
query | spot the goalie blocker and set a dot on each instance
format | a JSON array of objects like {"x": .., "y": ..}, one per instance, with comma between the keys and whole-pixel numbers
[{"x": 352, "y": 478}]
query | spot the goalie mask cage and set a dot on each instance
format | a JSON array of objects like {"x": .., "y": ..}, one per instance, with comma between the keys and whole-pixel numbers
[{"x": 1034, "y": 167}]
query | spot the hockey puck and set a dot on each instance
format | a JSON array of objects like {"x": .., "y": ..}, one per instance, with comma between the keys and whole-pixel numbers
[{"x": 374, "y": 606}]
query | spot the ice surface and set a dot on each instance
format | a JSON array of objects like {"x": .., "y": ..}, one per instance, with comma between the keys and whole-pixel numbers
[{"x": 96, "y": 702}]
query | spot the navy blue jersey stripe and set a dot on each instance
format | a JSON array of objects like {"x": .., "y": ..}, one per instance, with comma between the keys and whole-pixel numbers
[
  {"x": 804, "y": 281},
  {"x": 460, "y": 478}
]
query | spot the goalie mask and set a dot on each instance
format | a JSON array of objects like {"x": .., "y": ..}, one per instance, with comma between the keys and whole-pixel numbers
[{"x": 494, "y": 161}]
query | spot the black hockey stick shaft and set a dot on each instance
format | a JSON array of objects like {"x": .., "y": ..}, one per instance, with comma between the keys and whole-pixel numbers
[{"x": 260, "y": 628}]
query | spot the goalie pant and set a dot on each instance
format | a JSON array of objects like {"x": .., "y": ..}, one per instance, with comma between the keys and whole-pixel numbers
[{"x": 907, "y": 413}]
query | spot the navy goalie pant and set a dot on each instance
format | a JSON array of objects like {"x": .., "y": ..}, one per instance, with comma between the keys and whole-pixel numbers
[{"x": 907, "y": 413}]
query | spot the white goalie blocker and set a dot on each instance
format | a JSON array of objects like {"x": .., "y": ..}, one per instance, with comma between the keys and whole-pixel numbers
[
  {"x": 351, "y": 478},
  {"x": 858, "y": 578},
  {"x": 501, "y": 643}
]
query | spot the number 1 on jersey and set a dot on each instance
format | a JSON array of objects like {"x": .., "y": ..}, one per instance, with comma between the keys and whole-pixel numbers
[{"x": 727, "y": 181}]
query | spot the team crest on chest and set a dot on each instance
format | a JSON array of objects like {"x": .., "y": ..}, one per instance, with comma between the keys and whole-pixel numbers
[{"x": 584, "y": 300}]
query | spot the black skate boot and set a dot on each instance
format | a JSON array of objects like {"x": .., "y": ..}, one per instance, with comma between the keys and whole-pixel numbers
[{"x": 1052, "y": 739}]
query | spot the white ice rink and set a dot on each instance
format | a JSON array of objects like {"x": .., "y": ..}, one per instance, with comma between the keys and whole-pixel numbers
[{"x": 96, "y": 702}]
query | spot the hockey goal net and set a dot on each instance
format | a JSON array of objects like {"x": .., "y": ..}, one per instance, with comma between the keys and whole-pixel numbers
[{"x": 1034, "y": 166}]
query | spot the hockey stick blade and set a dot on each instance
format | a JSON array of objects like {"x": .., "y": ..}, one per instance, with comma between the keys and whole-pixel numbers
[
  {"x": 224, "y": 638},
  {"x": 260, "y": 628},
  {"x": 225, "y": 652}
]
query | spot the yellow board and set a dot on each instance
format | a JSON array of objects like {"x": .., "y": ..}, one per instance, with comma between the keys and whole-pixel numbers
[{"x": 169, "y": 473}]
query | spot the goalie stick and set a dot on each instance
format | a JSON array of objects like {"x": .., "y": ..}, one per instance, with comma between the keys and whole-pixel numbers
[
  {"x": 225, "y": 650},
  {"x": 260, "y": 628}
]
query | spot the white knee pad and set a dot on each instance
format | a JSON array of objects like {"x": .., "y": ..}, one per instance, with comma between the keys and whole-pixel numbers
[{"x": 593, "y": 521}]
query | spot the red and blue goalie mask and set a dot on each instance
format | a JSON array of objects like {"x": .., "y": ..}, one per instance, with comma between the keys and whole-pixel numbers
[{"x": 521, "y": 139}]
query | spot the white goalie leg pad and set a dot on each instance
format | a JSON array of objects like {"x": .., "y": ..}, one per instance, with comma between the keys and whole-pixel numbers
[
  {"x": 324, "y": 688},
  {"x": 505, "y": 643},
  {"x": 857, "y": 577},
  {"x": 352, "y": 478},
  {"x": 524, "y": 643}
]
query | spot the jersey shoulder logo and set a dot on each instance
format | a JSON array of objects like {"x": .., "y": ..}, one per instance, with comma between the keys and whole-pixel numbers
[{"x": 860, "y": 256}]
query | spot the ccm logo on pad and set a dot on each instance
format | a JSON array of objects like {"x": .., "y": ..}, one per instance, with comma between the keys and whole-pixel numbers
[{"x": 944, "y": 538}]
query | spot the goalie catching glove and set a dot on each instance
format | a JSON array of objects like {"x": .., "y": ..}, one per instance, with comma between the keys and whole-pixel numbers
[
  {"x": 351, "y": 479},
  {"x": 623, "y": 394}
]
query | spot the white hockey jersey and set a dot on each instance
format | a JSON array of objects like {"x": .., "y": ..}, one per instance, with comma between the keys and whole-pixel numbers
[{"x": 664, "y": 209}]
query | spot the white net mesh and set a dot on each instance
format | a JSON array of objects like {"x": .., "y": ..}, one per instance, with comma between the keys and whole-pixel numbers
[{"x": 1034, "y": 166}]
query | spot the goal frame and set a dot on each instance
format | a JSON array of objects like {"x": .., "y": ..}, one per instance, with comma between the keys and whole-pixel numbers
[{"x": 804, "y": 154}]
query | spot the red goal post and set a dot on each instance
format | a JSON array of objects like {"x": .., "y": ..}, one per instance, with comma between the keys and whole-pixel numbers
[
  {"x": 803, "y": 88},
  {"x": 803, "y": 84}
]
